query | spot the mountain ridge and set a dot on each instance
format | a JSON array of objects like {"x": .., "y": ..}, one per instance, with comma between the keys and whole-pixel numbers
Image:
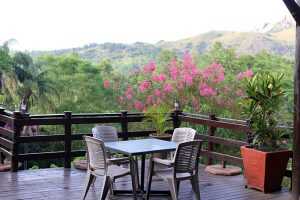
[{"x": 276, "y": 38}]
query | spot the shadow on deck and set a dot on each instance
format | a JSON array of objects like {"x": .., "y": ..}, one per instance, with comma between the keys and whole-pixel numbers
[{"x": 60, "y": 183}]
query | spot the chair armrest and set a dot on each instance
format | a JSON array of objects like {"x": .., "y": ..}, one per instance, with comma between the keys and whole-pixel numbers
[
  {"x": 163, "y": 161},
  {"x": 118, "y": 161}
]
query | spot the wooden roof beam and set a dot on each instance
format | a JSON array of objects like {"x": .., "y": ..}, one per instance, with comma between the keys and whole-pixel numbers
[{"x": 294, "y": 9}]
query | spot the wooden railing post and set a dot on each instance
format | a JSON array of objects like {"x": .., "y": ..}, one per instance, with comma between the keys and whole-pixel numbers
[
  {"x": 2, "y": 156},
  {"x": 176, "y": 121},
  {"x": 68, "y": 143},
  {"x": 248, "y": 133},
  {"x": 124, "y": 124},
  {"x": 210, "y": 145},
  {"x": 2, "y": 113},
  {"x": 16, "y": 145}
]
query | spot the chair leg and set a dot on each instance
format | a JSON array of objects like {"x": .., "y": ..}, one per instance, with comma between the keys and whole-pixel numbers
[
  {"x": 136, "y": 166},
  {"x": 133, "y": 177},
  {"x": 88, "y": 181},
  {"x": 195, "y": 186},
  {"x": 111, "y": 188},
  {"x": 93, "y": 183},
  {"x": 178, "y": 184},
  {"x": 150, "y": 174},
  {"x": 106, "y": 185},
  {"x": 173, "y": 188},
  {"x": 172, "y": 155}
]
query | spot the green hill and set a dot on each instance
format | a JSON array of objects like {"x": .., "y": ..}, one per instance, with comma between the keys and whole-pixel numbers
[{"x": 277, "y": 38}]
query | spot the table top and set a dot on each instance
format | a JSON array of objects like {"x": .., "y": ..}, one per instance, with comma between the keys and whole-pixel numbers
[{"x": 140, "y": 147}]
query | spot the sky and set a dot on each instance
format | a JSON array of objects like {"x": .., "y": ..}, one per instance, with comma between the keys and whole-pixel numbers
[{"x": 59, "y": 24}]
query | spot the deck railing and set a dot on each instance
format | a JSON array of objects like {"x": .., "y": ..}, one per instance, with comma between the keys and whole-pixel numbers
[{"x": 10, "y": 140}]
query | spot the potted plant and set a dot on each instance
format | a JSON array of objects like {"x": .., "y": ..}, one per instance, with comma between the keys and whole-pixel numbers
[
  {"x": 265, "y": 160},
  {"x": 158, "y": 115}
]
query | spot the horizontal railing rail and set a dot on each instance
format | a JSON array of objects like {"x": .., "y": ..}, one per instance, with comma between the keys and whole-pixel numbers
[{"x": 10, "y": 140}]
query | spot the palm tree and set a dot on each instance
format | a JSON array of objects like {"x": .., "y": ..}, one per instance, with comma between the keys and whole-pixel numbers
[{"x": 34, "y": 87}]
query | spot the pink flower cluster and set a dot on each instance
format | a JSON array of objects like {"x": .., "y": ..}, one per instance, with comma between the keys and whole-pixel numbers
[
  {"x": 193, "y": 86},
  {"x": 144, "y": 85},
  {"x": 150, "y": 67},
  {"x": 106, "y": 84},
  {"x": 247, "y": 74}
]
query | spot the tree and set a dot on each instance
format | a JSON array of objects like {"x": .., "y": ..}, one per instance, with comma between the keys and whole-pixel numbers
[
  {"x": 5, "y": 59},
  {"x": 34, "y": 86},
  {"x": 218, "y": 53},
  {"x": 166, "y": 57},
  {"x": 77, "y": 82},
  {"x": 106, "y": 66},
  {"x": 7, "y": 85}
]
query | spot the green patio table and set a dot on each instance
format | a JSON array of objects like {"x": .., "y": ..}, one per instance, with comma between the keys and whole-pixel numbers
[{"x": 141, "y": 147}]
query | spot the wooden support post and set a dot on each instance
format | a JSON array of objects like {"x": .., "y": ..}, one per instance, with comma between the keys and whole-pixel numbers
[
  {"x": 293, "y": 7},
  {"x": 16, "y": 145},
  {"x": 296, "y": 135},
  {"x": 210, "y": 145},
  {"x": 68, "y": 142},
  {"x": 124, "y": 124}
]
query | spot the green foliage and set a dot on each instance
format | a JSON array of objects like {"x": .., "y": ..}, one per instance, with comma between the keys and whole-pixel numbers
[
  {"x": 78, "y": 83},
  {"x": 53, "y": 166},
  {"x": 158, "y": 117},
  {"x": 226, "y": 56},
  {"x": 106, "y": 67},
  {"x": 263, "y": 105},
  {"x": 77, "y": 159},
  {"x": 166, "y": 57},
  {"x": 5, "y": 59},
  {"x": 22, "y": 59},
  {"x": 34, "y": 167}
]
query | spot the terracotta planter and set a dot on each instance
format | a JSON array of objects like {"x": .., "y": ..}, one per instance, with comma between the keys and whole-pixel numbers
[
  {"x": 166, "y": 137},
  {"x": 264, "y": 170}
]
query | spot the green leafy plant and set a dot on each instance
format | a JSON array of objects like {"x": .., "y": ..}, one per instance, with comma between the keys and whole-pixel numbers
[
  {"x": 265, "y": 100},
  {"x": 53, "y": 166},
  {"x": 34, "y": 167},
  {"x": 158, "y": 115}
]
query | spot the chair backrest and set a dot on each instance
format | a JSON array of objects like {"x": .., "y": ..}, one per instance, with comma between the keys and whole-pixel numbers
[
  {"x": 187, "y": 156},
  {"x": 183, "y": 135},
  {"x": 105, "y": 133},
  {"x": 96, "y": 153}
]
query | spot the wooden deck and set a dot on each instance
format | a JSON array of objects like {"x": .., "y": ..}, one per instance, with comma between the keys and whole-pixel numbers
[{"x": 60, "y": 183}]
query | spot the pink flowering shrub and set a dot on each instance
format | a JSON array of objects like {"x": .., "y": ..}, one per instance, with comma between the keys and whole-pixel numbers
[{"x": 201, "y": 90}]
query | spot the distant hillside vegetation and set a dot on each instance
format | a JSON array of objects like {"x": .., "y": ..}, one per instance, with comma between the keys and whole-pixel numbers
[{"x": 276, "y": 38}]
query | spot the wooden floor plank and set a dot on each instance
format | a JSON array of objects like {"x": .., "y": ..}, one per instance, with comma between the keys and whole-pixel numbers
[{"x": 60, "y": 183}]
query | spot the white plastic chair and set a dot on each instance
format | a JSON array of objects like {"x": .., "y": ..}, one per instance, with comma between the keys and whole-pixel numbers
[
  {"x": 107, "y": 134},
  {"x": 110, "y": 134},
  {"x": 184, "y": 166},
  {"x": 182, "y": 135},
  {"x": 97, "y": 166}
]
